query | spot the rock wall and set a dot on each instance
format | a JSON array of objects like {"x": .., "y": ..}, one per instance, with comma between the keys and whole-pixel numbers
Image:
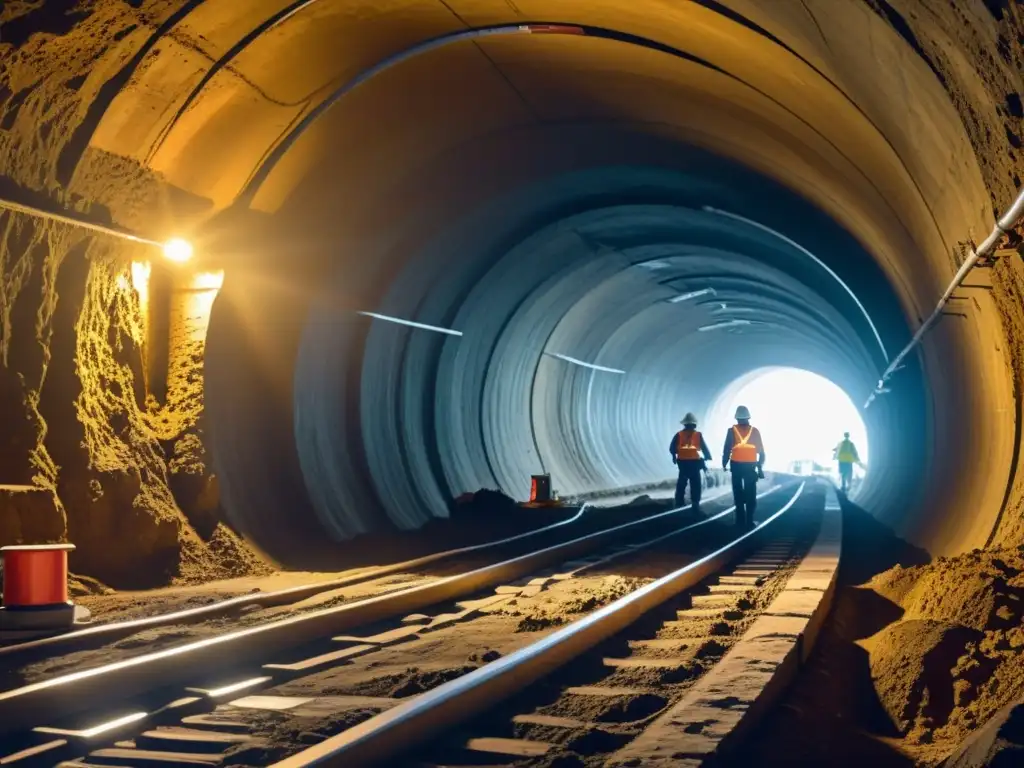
[{"x": 126, "y": 469}]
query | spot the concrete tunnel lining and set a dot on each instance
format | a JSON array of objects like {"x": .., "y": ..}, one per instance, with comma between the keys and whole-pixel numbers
[
  {"x": 588, "y": 276},
  {"x": 881, "y": 167}
]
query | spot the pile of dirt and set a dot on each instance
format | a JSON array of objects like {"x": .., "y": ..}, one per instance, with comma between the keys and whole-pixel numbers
[
  {"x": 85, "y": 586},
  {"x": 915, "y": 655},
  {"x": 471, "y": 506},
  {"x": 954, "y": 657}
]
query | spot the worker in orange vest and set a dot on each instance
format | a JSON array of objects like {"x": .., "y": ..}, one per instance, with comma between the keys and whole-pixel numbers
[
  {"x": 690, "y": 454},
  {"x": 744, "y": 449}
]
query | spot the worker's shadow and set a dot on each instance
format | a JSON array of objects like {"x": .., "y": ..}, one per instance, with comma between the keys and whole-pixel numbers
[
  {"x": 876, "y": 545},
  {"x": 832, "y": 715}
]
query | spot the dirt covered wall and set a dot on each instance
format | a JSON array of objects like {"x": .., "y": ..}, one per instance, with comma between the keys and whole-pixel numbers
[{"x": 123, "y": 459}]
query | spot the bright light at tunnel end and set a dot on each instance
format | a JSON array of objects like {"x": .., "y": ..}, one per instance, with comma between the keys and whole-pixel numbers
[{"x": 802, "y": 417}]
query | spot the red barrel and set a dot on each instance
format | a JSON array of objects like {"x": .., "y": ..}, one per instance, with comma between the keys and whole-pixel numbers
[{"x": 35, "y": 575}]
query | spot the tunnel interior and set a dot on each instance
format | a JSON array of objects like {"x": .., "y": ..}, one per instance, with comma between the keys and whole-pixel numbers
[
  {"x": 441, "y": 245},
  {"x": 621, "y": 267},
  {"x": 466, "y": 241},
  {"x": 602, "y": 199}
]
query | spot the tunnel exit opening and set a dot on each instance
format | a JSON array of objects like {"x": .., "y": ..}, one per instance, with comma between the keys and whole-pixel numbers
[{"x": 802, "y": 416}]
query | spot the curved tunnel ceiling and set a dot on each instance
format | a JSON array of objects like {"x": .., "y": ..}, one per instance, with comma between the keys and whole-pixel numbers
[{"x": 518, "y": 188}]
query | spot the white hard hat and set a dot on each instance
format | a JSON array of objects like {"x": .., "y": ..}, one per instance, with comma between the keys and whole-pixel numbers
[
  {"x": 689, "y": 419},
  {"x": 742, "y": 413}
]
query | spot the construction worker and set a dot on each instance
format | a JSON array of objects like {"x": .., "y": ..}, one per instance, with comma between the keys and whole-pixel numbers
[
  {"x": 690, "y": 454},
  {"x": 846, "y": 454},
  {"x": 744, "y": 449}
]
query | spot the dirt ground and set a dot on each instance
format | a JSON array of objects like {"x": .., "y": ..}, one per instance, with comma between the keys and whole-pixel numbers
[
  {"x": 411, "y": 668},
  {"x": 930, "y": 648},
  {"x": 110, "y": 606},
  {"x": 914, "y": 657}
]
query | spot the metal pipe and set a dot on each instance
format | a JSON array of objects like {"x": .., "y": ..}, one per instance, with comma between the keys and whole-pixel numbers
[
  {"x": 73, "y": 221},
  {"x": 1003, "y": 225}
]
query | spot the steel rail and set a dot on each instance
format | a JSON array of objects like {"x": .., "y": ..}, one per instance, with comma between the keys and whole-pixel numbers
[
  {"x": 391, "y": 733},
  {"x": 91, "y": 635},
  {"x": 28, "y": 706},
  {"x": 116, "y": 629}
]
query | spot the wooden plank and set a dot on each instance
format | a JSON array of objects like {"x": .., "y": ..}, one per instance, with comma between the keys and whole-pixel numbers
[
  {"x": 509, "y": 747},
  {"x": 326, "y": 706},
  {"x": 551, "y": 721},
  {"x": 48, "y": 750},
  {"x": 484, "y": 602},
  {"x": 730, "y": 589},
  {"x": 603, "y": 691},
  {"x": 215, "y": 723},
  {"x": 415, "y": 618},
  {"x": 669, "y": 644},
  {"x": 384, "y": 638},
  {"x": 178, "y": 738},
  {"x": 711, "y": 601},
  {"x": 447, "y": 619},
  {"x": 137, "y": 757},
  {"x": 639, "y": 662},
  {"x": 324, "y": 659},
  {"x": 271, "y": 703}
]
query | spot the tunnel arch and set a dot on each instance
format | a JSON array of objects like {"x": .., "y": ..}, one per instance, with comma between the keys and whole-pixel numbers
[{"x": 900, "y": 183}]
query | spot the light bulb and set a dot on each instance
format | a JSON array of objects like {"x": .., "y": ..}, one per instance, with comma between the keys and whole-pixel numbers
[{"x": 178, "y": 250}]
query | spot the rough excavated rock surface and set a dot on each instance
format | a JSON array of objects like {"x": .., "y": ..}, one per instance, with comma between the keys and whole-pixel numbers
[{"x": 128, "y": 469}]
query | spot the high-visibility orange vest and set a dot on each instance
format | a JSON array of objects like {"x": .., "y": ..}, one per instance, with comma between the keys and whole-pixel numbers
[
  {"x": 742, "y": 451},
  {"x": 690, "y": 449}
]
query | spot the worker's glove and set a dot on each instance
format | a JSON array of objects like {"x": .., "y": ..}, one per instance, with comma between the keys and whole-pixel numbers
[
  {"x": 760, "y": 473},
  {"x": 725, "y": 467},
  {"x": 675, "y": 461}
]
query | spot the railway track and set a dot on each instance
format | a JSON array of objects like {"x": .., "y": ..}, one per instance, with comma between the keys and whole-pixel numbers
[
  {"x": 591, "y": 687},
  {"x": 248, "y": 609},
  {"x": 600, "y": 705},
  {"x": 64, "y": 718}
]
